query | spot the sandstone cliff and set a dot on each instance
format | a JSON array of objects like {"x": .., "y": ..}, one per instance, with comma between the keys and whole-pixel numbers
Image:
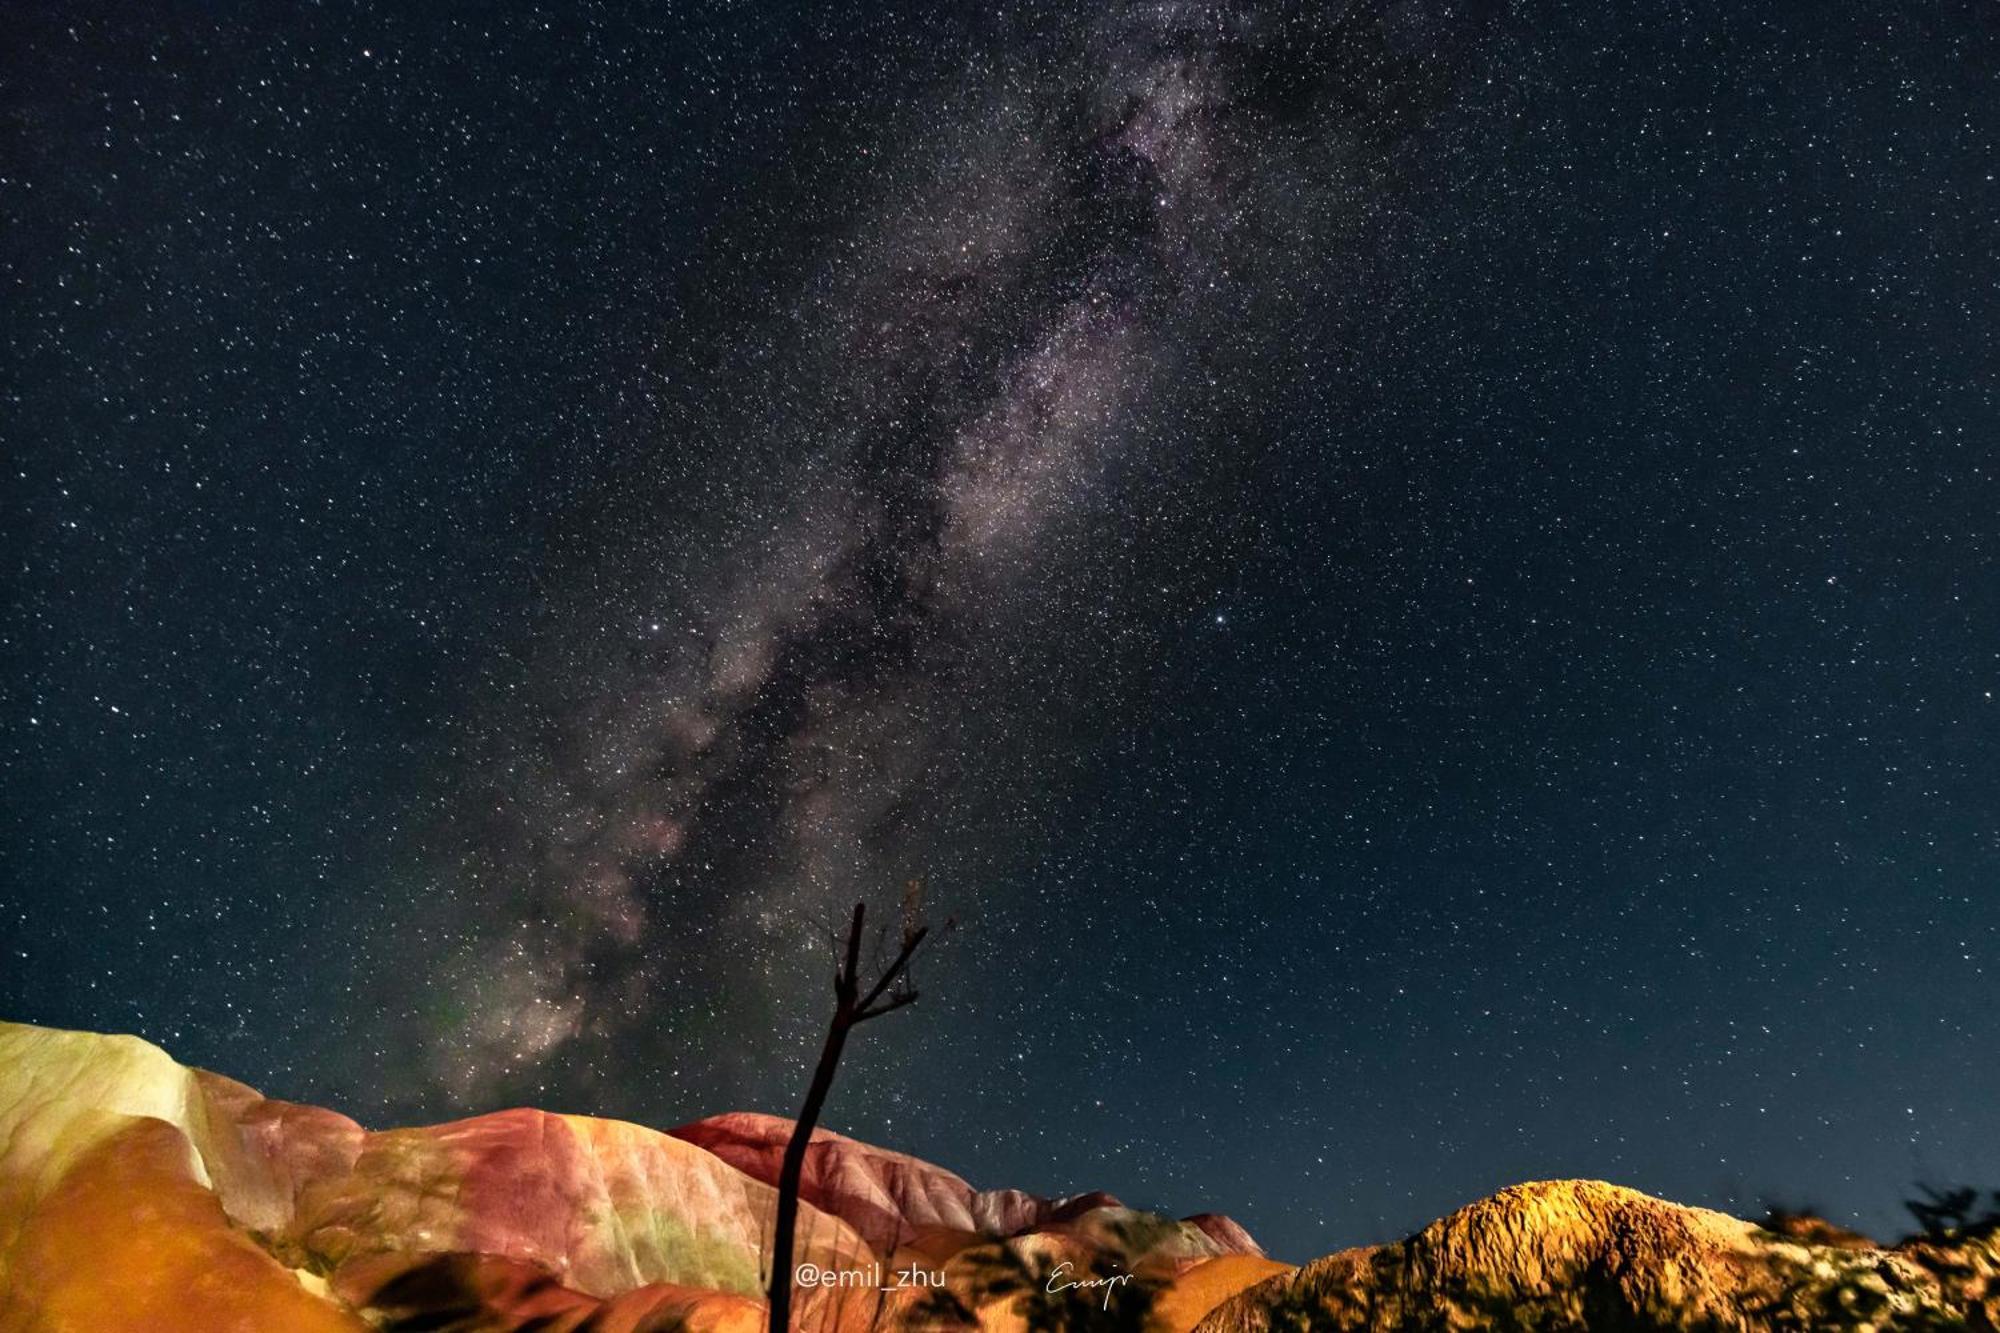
[{"x": 1584, "y": 1255}]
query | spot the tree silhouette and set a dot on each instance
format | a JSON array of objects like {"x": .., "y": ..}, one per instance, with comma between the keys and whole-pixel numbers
[
  {"x": 1954, "y": 1213},
  {"x": 852, "y": 1007}
]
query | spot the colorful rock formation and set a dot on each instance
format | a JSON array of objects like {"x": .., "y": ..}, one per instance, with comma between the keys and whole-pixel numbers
[
  {"x": 136, "y": 1193},
  {"x": 895, "y": 1200},
  {"x": 139, "y": 1196}
]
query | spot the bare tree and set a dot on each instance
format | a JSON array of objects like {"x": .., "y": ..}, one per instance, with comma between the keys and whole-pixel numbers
[{"x": 851, "y": 1007}]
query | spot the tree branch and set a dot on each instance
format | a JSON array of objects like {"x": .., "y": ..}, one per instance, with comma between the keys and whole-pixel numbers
[
  {"x": 895, "y": 969},
  {"x": 846, "y": 980},
  {"x": 896, "y": 1001}
]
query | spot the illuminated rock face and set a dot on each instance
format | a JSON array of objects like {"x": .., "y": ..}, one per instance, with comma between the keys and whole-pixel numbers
[
  {"x": 896, "y": 1201},
  {"x": 1587, "y": 1256},
  {"x": 891, "y": 1199},
  {"x": 128, "y": 1238},
  {"x": 602, "y": 1205},
  {"x": 138, "y": 1194}
]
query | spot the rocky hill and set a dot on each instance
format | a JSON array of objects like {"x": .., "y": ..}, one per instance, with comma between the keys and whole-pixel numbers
[
  {"x": 138, "y": 1194},
  {"x": 1586, "y": 1256}
]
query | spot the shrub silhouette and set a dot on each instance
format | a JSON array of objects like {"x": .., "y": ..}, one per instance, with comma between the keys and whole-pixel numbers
[
  {"x": 1043, "y": 1292},
  {"x": 1954, "y": 1214}
]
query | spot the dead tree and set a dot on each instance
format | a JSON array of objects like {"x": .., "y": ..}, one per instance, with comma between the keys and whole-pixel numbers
[{"x": 851, "y": 1008}]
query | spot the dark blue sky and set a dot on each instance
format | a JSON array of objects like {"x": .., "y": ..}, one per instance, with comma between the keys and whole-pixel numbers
[{"x": 1422, "y": 578}]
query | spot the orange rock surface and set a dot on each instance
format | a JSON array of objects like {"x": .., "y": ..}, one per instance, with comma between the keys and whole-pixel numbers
[
  {"x": 129, "y": 1239},
  {"x": 1202, "y": 1287},
  {"x": 1584, "y": 1255}
]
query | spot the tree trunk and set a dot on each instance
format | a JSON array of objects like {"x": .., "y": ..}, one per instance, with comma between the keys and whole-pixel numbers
[
  {"x": 891, "y": 991},
  {"x": 782, "y": 1259}
]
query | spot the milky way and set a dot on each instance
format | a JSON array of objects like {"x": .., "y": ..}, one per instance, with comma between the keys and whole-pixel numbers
[{"x": 995, "y": 354}]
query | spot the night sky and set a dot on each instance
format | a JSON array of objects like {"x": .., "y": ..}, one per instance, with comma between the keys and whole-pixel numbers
[{"x": 1422, "y": 578}]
